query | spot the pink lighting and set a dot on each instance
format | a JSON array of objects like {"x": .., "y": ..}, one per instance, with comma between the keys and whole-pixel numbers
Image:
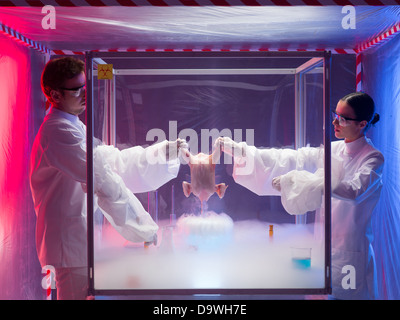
[{"x": 15, "y": 104}]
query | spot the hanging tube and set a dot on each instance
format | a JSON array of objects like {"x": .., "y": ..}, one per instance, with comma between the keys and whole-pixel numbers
[{"x": 172, "y": 216}]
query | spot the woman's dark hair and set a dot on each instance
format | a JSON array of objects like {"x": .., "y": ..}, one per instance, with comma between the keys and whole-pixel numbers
[{"x": 363, "y": 106}]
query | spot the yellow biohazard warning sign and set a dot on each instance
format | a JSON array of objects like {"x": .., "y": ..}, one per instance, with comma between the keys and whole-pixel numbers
[{"x": 104, "y": 71}]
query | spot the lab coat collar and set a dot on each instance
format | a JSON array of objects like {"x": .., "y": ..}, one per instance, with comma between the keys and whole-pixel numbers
[
  {"x": 355, "y": 146},
  {"x": 62, "y": 114}
]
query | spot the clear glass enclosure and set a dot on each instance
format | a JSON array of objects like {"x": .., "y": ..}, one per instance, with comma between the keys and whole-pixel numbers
[{"x": 244, "y": 241}]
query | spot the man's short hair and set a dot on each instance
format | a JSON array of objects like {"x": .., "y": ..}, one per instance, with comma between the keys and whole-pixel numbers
[{"x": 57, "y": 71}]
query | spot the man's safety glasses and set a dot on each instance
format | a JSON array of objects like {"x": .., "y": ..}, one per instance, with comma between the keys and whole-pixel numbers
[
  {"x": 75, "y": 92},
  {"x": 343, "y": 121}
]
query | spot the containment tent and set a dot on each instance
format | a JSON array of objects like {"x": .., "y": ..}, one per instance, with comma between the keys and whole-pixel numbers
[{"x": 265, "y": 75}]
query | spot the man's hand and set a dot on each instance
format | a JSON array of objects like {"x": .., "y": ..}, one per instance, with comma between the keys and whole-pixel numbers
[{"x": 173, "y": 148}]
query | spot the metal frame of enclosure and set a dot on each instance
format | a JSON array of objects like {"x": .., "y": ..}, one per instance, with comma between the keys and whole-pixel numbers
[{"x": 318, "y": 59}]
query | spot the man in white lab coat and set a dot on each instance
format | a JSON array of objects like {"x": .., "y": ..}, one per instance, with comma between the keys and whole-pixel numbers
[
  {"x": 297, "y": 176},
  {"x": 58, "y": 180}
]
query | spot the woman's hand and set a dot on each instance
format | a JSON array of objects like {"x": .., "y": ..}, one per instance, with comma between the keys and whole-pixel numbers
[
  {"x": 276, "y": 183},
  {"x": 230, "y": 147}
]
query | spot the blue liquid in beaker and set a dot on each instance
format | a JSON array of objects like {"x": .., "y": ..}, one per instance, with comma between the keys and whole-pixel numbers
[{"x": 301, "y": 263}]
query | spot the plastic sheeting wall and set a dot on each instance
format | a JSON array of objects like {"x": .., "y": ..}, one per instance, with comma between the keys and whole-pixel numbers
[
  {"x": 382, "y": 81},
  {"x": 21, "y": 113}
]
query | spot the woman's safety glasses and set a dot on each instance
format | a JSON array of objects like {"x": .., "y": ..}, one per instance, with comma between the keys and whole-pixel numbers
[
  {"x": 75, "y": 92},
  {"x": 343, "y": 121}
]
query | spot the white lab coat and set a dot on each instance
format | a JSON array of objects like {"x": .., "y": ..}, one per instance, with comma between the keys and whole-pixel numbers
[
  {"x": 58, "y": 177},
  {"x": 356, "y": 186}
]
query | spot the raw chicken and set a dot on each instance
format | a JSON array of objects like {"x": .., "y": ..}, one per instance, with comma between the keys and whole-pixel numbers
[{"x": 202, "y": 171}]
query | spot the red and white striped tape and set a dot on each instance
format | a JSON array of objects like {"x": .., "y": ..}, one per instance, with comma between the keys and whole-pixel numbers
[
  {"x": 37, "y": 46},
  {"x": 380, "y": 39},
  {"x": 261, "y": 49},
  {"x": 22, "y": 39},
  {"x": 358, "y": 72},
  {"x": 48, "y": 285},
  {"x": 164, "y": 3}
]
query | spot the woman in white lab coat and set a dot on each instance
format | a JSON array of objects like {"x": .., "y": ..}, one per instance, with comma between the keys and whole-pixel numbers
[
  {"x": 297, "y": 176},
  {"x": 58, "y": 180}
]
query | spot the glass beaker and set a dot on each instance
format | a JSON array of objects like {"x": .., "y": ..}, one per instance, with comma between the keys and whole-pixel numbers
[
  {"x": 167, "y": 243},
  {"x": 301, "y": 257}
]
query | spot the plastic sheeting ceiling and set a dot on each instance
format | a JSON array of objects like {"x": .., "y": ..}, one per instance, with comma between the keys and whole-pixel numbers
[{"x": 91, "y": 28}]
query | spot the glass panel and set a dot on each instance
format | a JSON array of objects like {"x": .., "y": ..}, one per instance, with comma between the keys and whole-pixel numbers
[
  {"x": 314, "y": 113},
  {"x": 244, "y": 240},
  {"x": 314, "y": 100}
]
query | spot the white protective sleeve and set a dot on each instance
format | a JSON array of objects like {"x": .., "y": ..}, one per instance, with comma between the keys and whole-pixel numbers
[
  {"x": 258, "y": 167},
  {"x": 366, "y": 180},
  {"x": 303, "y": 191},
  {"x": 142, "y": 169},
  {"x": 119, "y": 205},
  {"x": 301, "y": 175}
]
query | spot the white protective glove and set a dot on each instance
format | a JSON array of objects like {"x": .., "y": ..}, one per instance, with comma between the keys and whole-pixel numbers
[
  {"x": 276, "y": 183},
  {"x": 154, "y": 241},
  {"x": 302, "y": 191},
  {"x": 230, "y": 147},
  {"x": 174, "y": 147}
]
